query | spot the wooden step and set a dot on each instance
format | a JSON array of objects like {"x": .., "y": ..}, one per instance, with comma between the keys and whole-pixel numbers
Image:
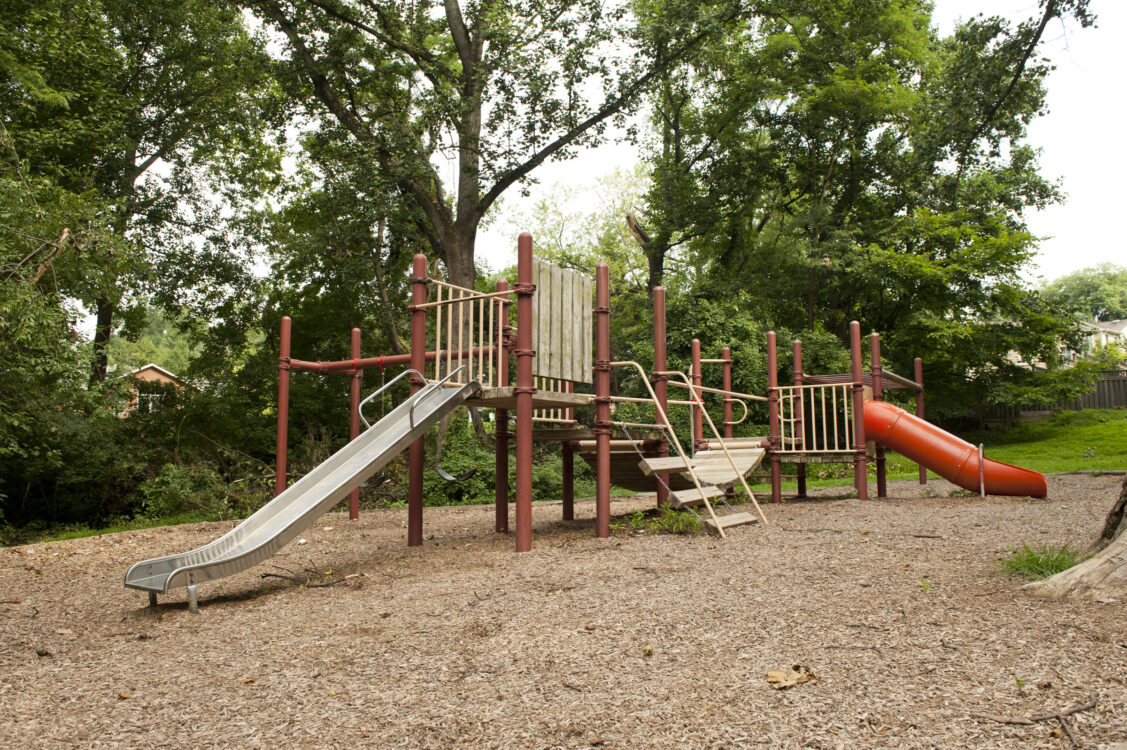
[
  {"x": 651, "y": 466},
  {"x": 732, "y": 519},
  {"x": 685, "y": 498}
]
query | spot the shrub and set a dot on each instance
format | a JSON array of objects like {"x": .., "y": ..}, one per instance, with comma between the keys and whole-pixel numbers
[{"x": 177, "y": 490}]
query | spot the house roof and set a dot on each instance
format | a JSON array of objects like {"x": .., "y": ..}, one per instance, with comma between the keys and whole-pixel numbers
[
  {"x": 158, "y": 368},
  {"x": 1116, "y": 326}
]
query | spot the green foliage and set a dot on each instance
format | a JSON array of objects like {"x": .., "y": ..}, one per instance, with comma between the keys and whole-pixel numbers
[
  {"x": 177, "y": 490},
  {"x": 1039, "y": 562},
  {"x": 664, "y": 520},
  {"x": 1098, "y": 293}
]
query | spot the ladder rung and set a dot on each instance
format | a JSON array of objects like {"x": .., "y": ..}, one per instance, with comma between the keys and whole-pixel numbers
[
  {"x": 691, "y": 496},
  {"x": 651, "y": 466},
  {"x": 732, "y": 519}
]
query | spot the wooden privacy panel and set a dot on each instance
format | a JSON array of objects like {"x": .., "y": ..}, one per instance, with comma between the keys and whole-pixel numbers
[{"x": 562, "y": 324}]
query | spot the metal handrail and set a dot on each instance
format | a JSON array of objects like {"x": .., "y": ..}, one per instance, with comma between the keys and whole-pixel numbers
[
  {"x": 427, "y": 389},
  {"x": 731, "y": 461},
  {"x": 664, "y": 417},
  {"x": 383, "y": 388},
  {"x": 705, "y": 389}
]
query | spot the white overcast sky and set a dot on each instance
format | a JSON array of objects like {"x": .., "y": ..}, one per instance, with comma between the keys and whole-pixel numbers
[{"x": 1081, "y": 139}]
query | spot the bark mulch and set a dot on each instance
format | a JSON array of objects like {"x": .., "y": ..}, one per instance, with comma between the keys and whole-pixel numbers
[{"x": 897, "y": 607}]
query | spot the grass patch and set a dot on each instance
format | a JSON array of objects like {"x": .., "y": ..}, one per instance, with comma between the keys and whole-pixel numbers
[
  {"x": 664, "y": 520},
  {"x": 1039, "y": 562},
  {"x": 37, "y": 533}
]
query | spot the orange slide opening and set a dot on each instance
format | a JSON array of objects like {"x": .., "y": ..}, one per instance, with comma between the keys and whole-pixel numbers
[{"x": 949, "y": 456}]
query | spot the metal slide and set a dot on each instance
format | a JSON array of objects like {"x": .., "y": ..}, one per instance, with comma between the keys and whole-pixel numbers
[{"x": 296, "y": 509}]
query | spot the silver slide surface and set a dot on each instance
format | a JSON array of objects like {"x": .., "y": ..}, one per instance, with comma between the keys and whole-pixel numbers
[{"x": 296, "y": 509}]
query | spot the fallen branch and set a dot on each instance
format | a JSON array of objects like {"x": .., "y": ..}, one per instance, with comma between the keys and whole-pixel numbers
[{"x": 1061, "y": 716}]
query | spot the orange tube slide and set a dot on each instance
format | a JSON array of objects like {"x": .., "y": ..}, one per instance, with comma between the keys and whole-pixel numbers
[{"x": 950, "y": 457}]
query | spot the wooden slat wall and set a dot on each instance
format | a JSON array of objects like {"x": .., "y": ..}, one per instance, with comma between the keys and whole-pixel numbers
[{"x": 562, "y": 324}]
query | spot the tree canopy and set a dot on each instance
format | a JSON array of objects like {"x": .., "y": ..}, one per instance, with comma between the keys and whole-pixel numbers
[{"x": 1098, "y": 293}]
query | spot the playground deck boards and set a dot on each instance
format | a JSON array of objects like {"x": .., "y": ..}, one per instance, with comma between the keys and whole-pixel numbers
[{"x": 506, "y": 398}]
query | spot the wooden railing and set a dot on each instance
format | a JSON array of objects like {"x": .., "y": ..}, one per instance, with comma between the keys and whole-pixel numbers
[
  {"x": 816, "y": 418},
  {"x": 468, "y": 325}
]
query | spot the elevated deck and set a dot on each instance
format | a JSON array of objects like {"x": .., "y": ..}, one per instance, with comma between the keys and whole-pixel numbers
[{"x": 506, "y": 398}]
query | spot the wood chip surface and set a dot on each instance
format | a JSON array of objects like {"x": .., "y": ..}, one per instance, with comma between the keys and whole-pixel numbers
[{"x": 642, "y": 641}]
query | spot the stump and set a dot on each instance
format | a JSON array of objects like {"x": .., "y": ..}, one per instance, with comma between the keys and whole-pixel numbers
[{"x": 1102, "y": 577}]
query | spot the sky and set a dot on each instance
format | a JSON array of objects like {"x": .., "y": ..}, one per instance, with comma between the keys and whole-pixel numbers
[{"x": 1081, "y": 140}]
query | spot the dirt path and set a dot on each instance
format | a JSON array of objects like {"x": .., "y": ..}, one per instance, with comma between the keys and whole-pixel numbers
[{"x": 640, "y": 641}]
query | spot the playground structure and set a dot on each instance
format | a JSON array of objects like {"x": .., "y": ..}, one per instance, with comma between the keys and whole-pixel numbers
[{"x": 467, "y": 354}]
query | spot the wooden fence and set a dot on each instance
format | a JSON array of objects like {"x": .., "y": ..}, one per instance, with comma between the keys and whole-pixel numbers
[{"x": 1110, "y": 392}]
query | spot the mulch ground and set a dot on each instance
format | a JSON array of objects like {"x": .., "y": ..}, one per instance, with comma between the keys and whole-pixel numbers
[{"x": 897, "y": 606}]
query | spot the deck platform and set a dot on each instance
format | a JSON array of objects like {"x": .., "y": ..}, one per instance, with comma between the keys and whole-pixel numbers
[{"x": 506, "y": 398}]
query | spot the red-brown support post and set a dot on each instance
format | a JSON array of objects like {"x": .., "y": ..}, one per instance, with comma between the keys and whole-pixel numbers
[
  {"x": 773, "y": 436},
  {"x": 661, "y": 384},
  {"x": 878, "y": 395},
  {"x": 800, "y": 413},
  {"x": 860, "y": 478},
  {"x": 283, "y": 407},
  {"x": 726, "y": 384},
  {"x": 416, "y": 456},
  {"x": 918, "y": 366},
  {"x": 524, "y": 390},
  {"x": 354, "y": 388},
  {"x": 501, "y": 436},
  {"x": 699, "y": 443},
  {"x": 602, "y": 401},
  {"x": 568, "y": 460}
]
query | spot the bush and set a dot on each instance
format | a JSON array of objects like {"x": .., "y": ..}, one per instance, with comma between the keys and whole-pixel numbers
[{"x": 177, "y": 490}]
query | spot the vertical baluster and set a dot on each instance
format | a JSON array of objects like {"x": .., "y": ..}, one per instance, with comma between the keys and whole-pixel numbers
[
  {"x": 825, "y": 432},
  {"x": 449, "y": 326},
  {"x": 438, "y": 332},
  {"x": 461, "y": 329},
  {"x": 469, "y": 338},
  {"x": 833, "y": 396}
]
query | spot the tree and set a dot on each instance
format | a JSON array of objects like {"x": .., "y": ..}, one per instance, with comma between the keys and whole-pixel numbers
[
  {"x": 133, "y": 87},
  {"x": 499, "y": 86},
  {"x": 1101, "y": 577},
  {"x": 1099, "y": 293},
  {"x": 845, "y": 163}
]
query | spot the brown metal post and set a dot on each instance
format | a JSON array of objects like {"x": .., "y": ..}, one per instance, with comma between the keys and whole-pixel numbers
[
  {"x": 354, "y": 388},
  {"x": 918, "y": 366},
  {"x": 726, "y": 384},
  {"x": 699, "y": 442},
  {"x": 773, "y": 436},
  {"x": 878, "y": 395},
  {"x": 860, "y": 478},
  {"x": 799, "y": 425},
  {"x": 524, "y": 390},
  {"x": 501, "y": 436},
  {"x": 661, "y": 384},
  {"x": 416, "y": 455},
  {"x": 602, "y": 400},
  {"x": 568, "y": 459},
  {"x": 283, "y": 407}
]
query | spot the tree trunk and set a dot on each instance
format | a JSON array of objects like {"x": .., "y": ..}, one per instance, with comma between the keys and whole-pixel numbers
[
  {"x": 1101, "y": 578},
  {"x": 102, "y": 331},
  {"x": 458, "y": 253}
]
